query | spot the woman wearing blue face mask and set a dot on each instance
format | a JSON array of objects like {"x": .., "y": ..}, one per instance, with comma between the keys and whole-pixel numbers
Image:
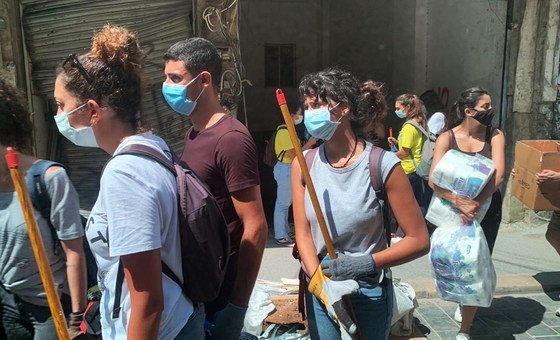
[
  {"x": 99, "y": 96},
  {"x": 338, "y": 109},
  {"x": 24, "y": 311},
  {"x": 411, "y": 139}
]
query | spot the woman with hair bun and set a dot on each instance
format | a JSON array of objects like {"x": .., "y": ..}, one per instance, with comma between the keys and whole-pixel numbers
[
  {"x": 133, "y": 227},
  {"x": 342, "y": 112},
  {"x": 469, "y": 130}
]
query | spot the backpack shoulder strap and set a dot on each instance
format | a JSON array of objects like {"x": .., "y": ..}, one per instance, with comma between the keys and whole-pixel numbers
[
  {"x": 39, "y": 194},
  {"x": 150, "y": 153},
  {"x": 376, "y": 176},
  {"x": 309, "y": 157},
  {"x": 419, "y": 127},
  {"x": 375, "y": 158},
  {"x": 147, "y": 152}
]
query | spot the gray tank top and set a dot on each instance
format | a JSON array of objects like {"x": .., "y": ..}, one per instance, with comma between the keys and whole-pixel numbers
[{"x": 349, "y": 203}]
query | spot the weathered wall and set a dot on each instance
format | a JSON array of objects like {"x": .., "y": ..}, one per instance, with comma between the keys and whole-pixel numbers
[
  {"x": 353, "y": 34},
  {"x": 265, "y": 21},
  {"x": 361, "y": 38},
  {"x": 536, "y": 50},
  {"x": 466, "y": 45}
]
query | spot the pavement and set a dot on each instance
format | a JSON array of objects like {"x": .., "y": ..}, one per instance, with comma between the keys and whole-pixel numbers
[
  {"x": 527, "y": 293},
  {"x": 518, "y": 316}
]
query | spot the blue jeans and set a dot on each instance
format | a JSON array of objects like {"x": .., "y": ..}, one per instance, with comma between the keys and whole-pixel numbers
[
  {"x": 194, "y": 328},
  {"x": 283, "y": 177},
  {"x": 422, "y": 191},
  {"x": 373, "y": 308}
]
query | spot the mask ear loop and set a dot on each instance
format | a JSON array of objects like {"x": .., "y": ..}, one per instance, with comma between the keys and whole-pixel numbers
[{"x": 339, "y": 116}]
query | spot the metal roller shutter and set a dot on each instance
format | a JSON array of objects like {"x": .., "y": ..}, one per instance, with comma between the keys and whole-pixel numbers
[{"x": 54, "y": 29}]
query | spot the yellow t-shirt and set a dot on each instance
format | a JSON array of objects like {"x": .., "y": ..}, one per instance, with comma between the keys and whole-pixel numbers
[
  {"x": 411, "y": 138},
  {"x": 282, "y": 142}
]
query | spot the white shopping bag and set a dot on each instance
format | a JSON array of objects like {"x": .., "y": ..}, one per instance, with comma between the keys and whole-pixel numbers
[{"x": 462, "y": 266}]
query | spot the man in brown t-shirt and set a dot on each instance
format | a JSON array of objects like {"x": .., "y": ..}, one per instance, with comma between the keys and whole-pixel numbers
[{"x": 220, "y": 150}]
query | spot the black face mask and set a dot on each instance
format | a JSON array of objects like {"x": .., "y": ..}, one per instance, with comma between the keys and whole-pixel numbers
[{"x": 484, "y": 117}]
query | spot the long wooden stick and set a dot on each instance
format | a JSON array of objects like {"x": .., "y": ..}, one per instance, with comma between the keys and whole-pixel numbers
[
  {"x": 312, "y": 194},
  {"x": 37, "y": 245},
  {"x": 305, "y": 172}
]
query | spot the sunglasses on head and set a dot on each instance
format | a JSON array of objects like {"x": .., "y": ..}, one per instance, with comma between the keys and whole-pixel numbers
[{"x": 74, "y": 62}]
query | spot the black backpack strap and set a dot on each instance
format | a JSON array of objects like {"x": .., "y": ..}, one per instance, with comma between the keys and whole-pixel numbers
[
  {"x": 118, "y": 290},
  {"x": 376, "y": 176},
  {"x": 40, "y": 198},
  {"x": 150, "y": 153}
]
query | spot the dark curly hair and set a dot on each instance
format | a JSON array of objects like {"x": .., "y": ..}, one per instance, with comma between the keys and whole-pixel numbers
[
  {"x": 366, "y": 100},
  {"x": 15, "y": 124},
  {"x": 467, "y": 100},
  {"x": 113, "y": 73}
]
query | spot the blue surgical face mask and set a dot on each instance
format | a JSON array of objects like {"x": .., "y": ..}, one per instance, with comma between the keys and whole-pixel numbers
[
  {"x": 318, "y": 123},
  {"x": 176, "y": 97},
  {"x": 400, "y": 114},
  {"x": 82, "y": 136}
]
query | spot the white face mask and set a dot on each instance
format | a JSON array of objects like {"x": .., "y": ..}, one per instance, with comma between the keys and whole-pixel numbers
[
  {"x": 82, "y": 136},
  {"x": 298, "y": 120}
]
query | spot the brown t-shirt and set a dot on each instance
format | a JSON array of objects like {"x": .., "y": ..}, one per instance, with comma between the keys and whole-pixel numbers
[{"x": 224, "y": 156}]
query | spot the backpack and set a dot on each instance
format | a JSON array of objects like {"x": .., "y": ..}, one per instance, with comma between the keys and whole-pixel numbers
[
  {"x": 36, "y": 183},
  {"x": 41, "y": 201},
  {"x": 270, "y": 157},
  {"x": 205, "y": 244},
  {"x": 423, "y": 169}
]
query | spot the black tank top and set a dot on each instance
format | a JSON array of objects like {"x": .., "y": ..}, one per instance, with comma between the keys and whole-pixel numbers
[{"x": 486, "y": 150}]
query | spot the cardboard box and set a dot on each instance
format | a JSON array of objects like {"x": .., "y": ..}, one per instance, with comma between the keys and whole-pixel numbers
[{"x": 532, "y": 157}]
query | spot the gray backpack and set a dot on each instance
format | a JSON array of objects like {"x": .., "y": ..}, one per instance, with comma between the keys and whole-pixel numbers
[{"x": 423, "y": 169}]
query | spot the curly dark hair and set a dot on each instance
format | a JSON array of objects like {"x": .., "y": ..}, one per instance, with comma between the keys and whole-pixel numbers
[
  {"x": 366, "y": 100},
  {"x": 112, "y": 73},
  {"x": 15, "y": 124}
]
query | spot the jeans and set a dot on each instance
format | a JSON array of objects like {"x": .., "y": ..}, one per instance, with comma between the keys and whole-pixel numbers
[
  {"x": 422, "y": 191},
  {"x": 373, "y": 308},
  {"x": 194, "y": 328},
  {"x": 283, "y": 177},
  {"x": 24, "y": 320}
]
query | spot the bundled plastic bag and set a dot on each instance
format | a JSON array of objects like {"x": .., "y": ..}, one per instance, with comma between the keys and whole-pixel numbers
[
  {"x": 404, "y": 303},
  {"x": 465, "y": 176},
  {"x": 462, "y": 267},
  {"x": 445, "y": 215}
]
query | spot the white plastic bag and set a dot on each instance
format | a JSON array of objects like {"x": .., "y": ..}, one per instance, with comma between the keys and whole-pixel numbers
[
  {"x": 463, "y": 174},
  {"x": 445, "y": 215},
  {"x": 462, "y": 266},
  {"x": 404, "y": 303}
]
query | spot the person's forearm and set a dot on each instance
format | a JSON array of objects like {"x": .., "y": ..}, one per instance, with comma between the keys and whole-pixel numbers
[
  {"x": 490, "y": 188},
  {"x": 144, "y": 320},
  {"x": 307, "y": 251},
  {"x": 249, "y": 261},
  {"x": 77, "y": 281},
  {"x": 447, "y": 195},
  {"x": 406, "y": 250}
]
